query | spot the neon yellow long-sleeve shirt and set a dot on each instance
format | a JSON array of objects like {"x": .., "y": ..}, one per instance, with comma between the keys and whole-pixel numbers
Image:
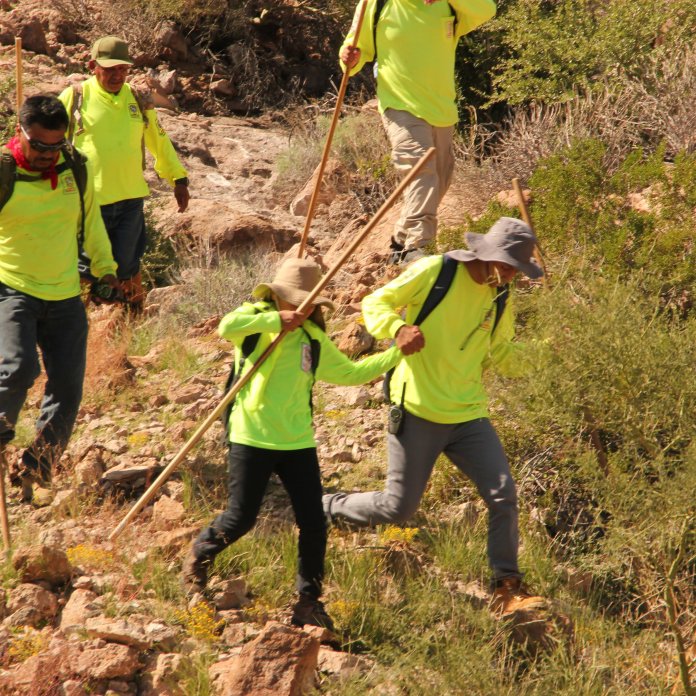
[
  {"x": 443, "y": 381},
  {"x": 112, "y": 139},
  {"x": 416, "y": 45},
  {"x": 273, "y": 411},
  {"x": 39, "y": 228}
]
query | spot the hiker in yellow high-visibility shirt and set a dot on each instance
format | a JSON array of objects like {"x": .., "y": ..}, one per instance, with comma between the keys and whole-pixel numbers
[
  {"x": 112, "y": 125},
  {"x": 414, "y": 43},
  {"x": 40, "y": 305},
  {"x": 439, "y": 404}
]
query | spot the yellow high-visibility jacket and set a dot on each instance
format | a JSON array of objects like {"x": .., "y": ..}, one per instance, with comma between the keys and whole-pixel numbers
[
  {"x": 443, "y": 381},
  {"x": 39, "y": 229},
  {"x": 416, "y": 45},
  {"x": 113, "y": 137}
]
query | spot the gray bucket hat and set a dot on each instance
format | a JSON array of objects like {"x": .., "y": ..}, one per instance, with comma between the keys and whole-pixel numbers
[
  {"x": 294, "y": 280},
  {"x": 509, "y": 241}
]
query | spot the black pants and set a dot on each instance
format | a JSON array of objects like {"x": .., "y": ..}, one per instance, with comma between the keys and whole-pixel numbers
[{"x": 250, "y": 468}]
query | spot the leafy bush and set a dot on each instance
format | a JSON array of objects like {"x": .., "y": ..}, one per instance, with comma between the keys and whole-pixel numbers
[
  {"x": 609, "y": 422},
  {"x": 549, "y": 48},
  {"x": 583, "y": 209}
]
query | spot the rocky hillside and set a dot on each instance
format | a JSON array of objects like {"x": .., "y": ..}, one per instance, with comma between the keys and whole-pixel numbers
[{"x": 599, "y": 434}]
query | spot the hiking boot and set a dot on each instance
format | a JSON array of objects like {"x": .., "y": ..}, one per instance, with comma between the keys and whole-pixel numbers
[
  {"x": 396, "y": 250},
  {"x": 510, "y": 596},
  {"x": 194, "y": 574},
  {"x": 310, "y": 612}
]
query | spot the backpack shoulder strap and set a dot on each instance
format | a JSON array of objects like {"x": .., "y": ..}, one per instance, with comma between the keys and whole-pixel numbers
[
  {"x": 144, "y": 100},
  {"x": 379, "y": 6},
  {"x": 77, "y": 163},
  {"x": 437, "y": 293},
  {"x": 8, "y": 175},
  {"x": 500, "y": 303},
  {"x": 76, "y": 125}
]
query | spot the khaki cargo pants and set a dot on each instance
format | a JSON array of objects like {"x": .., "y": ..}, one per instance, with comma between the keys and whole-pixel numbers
[{"x": 410, "y": 137}]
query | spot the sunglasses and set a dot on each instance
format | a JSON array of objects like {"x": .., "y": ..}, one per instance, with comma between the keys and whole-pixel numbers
[{"x": 43, "y": 147}]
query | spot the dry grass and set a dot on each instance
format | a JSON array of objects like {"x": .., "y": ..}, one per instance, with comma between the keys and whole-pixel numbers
[{"x": 107, "y": 344}]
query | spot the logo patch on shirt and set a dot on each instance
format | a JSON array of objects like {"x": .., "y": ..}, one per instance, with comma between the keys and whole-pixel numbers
[
  {"x": 133, "y": 111},
  {"x": 68, "y": 184},
  {"x": 306, "y": 357},
  {"x": 449, "y": 28}
]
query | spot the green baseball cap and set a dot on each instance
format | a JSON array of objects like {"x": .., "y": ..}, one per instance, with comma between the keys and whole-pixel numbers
[{"x": 110, "y": 51}]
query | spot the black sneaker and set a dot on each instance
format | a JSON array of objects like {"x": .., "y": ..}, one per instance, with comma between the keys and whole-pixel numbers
[
  {"x": 194, "y": 574},
  {"x": 396, "y": 251},
  {"x": 310, "y": 612}
]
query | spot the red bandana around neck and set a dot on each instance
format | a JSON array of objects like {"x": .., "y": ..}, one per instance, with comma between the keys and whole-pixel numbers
[{"x": 15, "y": 148}]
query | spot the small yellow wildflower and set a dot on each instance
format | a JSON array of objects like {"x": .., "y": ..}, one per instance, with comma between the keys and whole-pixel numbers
[
  {"x": 200, "y": 623},
  {"x": 405, "y": 535},
  {"x": 91, "y": 557},
  {"x": 26, "y": 645}
]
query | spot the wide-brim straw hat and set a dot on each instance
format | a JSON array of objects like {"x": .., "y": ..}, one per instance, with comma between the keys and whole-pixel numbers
[
  {"x": 509, "y": 241},
  {"x": 294, "y": 281}
]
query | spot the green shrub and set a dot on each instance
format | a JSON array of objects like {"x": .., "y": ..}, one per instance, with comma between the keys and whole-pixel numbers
[{"x": 550, "y": 48}]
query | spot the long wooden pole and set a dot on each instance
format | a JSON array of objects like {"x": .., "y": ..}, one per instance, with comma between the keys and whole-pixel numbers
[
  {"x": 4, "y": 522},
  {"x": 528, "y": 219},
  {"x": 18, "y": 74},
  {"x": 329, "y": 138},
  {"x": 304, "y": 308}
]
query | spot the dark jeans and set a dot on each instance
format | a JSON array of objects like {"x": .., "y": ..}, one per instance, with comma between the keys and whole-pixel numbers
[
  {"x": 250, "y": 468},
  {"x": 59, "y": 329},
  {"x": 125, "y": 225}
]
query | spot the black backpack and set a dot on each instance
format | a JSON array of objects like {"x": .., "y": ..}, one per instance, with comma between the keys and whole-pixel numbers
[
  {"x": 379, "y": 6},
  {"x": 74, "y": 160},
  {"x": 437, "y": 293},
  {"x": 248, "y": 347}
]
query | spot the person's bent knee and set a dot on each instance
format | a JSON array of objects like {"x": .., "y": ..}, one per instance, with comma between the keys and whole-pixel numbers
[
  {"x": 19, "y": 375},
  {"x": 232, "y": 527},
  {"x": 397, "y": 510}
]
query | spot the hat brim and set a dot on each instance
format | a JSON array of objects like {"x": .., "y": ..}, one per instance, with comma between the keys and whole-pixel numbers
[
  {"x": 294, "y": 296},
  {"x": 111, "y": 62},
  {"x": 530, "y": 268}
]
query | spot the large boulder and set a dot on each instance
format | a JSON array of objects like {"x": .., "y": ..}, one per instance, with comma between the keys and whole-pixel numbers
[
  {"x": 281, "y": 661},
  {"x": 42, "y": 563},
  {"x": 30, "y": 605}
]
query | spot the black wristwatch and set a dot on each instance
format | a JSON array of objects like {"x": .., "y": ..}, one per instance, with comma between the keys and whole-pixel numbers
[{"x": 183, "y": 181}]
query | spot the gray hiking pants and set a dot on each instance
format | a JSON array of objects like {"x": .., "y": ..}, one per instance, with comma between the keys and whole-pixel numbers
[{"x": 475, "y": 449}]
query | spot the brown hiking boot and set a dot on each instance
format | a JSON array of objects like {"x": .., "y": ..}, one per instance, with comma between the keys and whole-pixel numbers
[
  {"x": 194, "y": 574},
  {"x": 310, "y": 612},
  {"x": 510, "y": 596}
]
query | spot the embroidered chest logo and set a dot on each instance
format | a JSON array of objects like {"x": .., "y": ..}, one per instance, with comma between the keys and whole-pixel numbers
[
  {"x": 306, "y": 357},
  {"x": 133, "y": 110},
  {"x": 68, "y": 184},
  {"x": 449, "y": 28}
]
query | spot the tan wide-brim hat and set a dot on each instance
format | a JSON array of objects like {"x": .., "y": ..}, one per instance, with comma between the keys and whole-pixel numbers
[
  {"x": 293, "y": 282},
  {"x": 110, "y": 51}
]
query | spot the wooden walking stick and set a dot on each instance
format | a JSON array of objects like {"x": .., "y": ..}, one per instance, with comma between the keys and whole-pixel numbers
[
  {"x": 4, "y": 522},
  {"x": 528, "y": 219},
  {"x": 329, "y": 138},
  {"x": 18, "y": 73},
  {"x": 304, "y": 308}
]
